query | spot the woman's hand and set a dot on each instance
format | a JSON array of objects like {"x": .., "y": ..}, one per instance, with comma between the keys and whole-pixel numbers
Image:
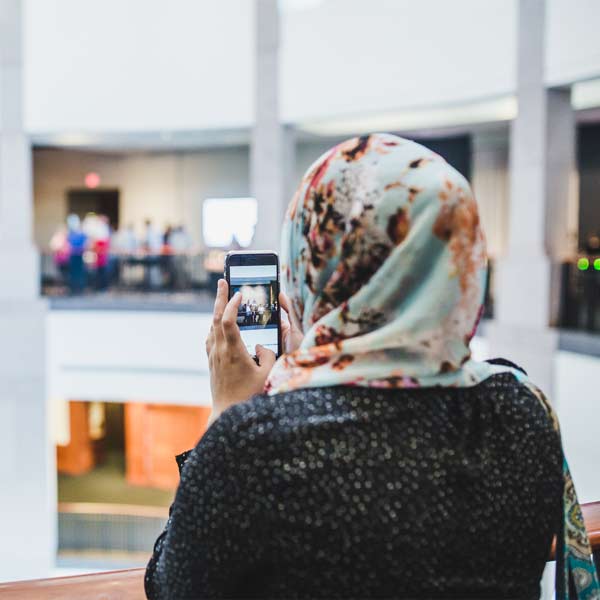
[
  {"x": 234, "y": 375},
  {"x": 291, "y": 334}
]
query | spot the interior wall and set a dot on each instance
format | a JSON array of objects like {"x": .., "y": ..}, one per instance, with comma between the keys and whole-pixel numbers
[
  {"x": 390, "y": 54},
  {"x": 54, "y": 172},
  {"x": 151, "y": 65},
  {"x": 139, "y": 65},
  {"x": 168, "y": 188},
  {"x": 573, "y": 43}
]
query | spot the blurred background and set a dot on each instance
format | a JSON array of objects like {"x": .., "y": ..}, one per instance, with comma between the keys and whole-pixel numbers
[{"x": 142, "y": 139}]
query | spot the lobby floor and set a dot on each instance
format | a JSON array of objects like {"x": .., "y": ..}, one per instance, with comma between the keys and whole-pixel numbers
[{"x": 107, "y": 484}]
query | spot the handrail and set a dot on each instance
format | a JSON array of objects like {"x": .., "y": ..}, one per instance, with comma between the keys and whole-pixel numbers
[
  {"x": 112, "y": 585},
  {"x": 591, "y": 516},
  {"x": 129, "y": 584}
]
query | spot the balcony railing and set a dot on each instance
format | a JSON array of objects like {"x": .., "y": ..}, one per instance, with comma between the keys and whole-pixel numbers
[
  {"x": 113, "y": 585},
  {"x": 129, "y": 585},
  {"x": 139, "y": 272}
]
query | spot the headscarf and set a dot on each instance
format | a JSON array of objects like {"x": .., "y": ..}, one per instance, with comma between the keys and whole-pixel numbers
[{"x": 384, "y": 261}]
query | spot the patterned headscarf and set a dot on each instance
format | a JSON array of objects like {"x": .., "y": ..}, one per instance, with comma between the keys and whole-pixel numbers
[{"x": 384, "y": 261}]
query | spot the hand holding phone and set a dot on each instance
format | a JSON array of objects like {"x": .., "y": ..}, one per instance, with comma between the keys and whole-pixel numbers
[{"x": 234, "y": 375}]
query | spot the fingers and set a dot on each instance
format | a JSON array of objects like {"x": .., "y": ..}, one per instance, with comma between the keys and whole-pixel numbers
[
  {"x": 229, "y": 320},
  {"x": 210, "y": 340},
  {"x": 219, "y": 308},
  {"x": 266, "y": 357}
]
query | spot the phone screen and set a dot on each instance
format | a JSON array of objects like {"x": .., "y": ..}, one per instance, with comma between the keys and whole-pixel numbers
[{"x": 258, "y": 313}]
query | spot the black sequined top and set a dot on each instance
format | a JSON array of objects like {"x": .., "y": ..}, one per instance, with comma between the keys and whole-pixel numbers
[{"x": 363, "y": 493}]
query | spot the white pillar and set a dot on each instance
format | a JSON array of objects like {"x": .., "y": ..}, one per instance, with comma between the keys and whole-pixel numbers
[
  {"x": 490, "y": 185},
  {"x": 27, "y": 496},
  {"x": 561, "y": 177},
  {"x": 523, "y": 301},
  {"x": 267, "y": 163}
]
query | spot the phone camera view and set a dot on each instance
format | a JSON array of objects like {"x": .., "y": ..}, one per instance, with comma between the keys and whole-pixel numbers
[{"x": 258, "y": 313}]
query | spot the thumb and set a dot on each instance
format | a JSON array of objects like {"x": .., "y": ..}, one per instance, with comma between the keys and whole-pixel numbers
[{"x": 266, "y": 357}]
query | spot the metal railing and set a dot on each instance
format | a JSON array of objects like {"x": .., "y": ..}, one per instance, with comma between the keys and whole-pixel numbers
[
  {"x": 131, "y": 273},
  {"x": 579, "y": 282},
  {"x": 108, "y": 527}
]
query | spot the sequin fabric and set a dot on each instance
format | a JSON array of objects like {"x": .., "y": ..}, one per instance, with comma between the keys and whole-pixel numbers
[{"x": 342, "y": 492}]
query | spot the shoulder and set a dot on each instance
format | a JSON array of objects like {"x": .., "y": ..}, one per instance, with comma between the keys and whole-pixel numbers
[
  {"x": 285, "y": 412},
  {"x": 244, "y": 442},
  {"x": 253, "y": 421},
  {"x": 271, "y": 424},
  {"x": 519, "y": 399}
]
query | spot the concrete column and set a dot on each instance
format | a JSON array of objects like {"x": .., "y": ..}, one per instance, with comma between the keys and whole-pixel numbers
[
  {"x": 490, "y": 185},
  {"x": 290, "y": 146},
  {"x": 27, "y": 475},
  {"x": 523, "y": 278},
  {"x": 267, "y": 164},
  {"x": 561, "y": 177}
]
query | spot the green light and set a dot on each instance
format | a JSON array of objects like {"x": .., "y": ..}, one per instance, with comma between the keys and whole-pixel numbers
[
  {"x": 583, "y": 264},
  {"x": 597, "y": 264}
]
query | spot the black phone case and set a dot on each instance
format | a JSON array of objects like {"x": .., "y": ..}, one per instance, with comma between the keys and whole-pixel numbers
[{"x": 258, "y": 255}]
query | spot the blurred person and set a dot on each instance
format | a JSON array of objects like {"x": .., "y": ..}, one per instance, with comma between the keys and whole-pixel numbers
[
  {"x": 180, "y": 245},
  {"x": 101, "y": 247},
  {"x": 167, "y": 235},
  {"x": 167, "y": 260},
  {"x": 180, "y": 240},
  {"x": 152, "y": 245},
  {"x": 59, "y": 244},
  {"x": 90, "y": 225},
  {"x": 77, "y": 240},
  {"x": 124, "y": 241},
  {"x": 123, "y": 244},
  {"x": 375, "y": 458},
  {"x": 153, "y": 240}
]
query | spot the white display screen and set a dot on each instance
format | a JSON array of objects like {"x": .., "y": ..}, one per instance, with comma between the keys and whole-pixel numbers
[
  {"x": 228, "y": 220},
  {"x": 258, "y": 313}
]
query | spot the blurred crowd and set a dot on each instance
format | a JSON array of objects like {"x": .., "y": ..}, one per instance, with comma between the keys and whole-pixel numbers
[{"x": 89, "y": 254}]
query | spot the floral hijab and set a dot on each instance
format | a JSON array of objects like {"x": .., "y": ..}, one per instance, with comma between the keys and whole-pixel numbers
[{"x": 384, "y": 261}]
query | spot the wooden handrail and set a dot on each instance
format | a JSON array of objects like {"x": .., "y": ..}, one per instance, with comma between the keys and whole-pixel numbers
[
  {"x": 591, "y": 516},
  {"x": 112, "y": 585},
  {"x": 129, "y": 584}
]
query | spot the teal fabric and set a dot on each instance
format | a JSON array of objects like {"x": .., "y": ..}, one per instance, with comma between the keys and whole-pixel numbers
[{"x": 384, "y": 260}]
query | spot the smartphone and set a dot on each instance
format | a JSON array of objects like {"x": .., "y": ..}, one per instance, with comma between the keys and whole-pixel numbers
[{"x": 256, "y": 276}]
